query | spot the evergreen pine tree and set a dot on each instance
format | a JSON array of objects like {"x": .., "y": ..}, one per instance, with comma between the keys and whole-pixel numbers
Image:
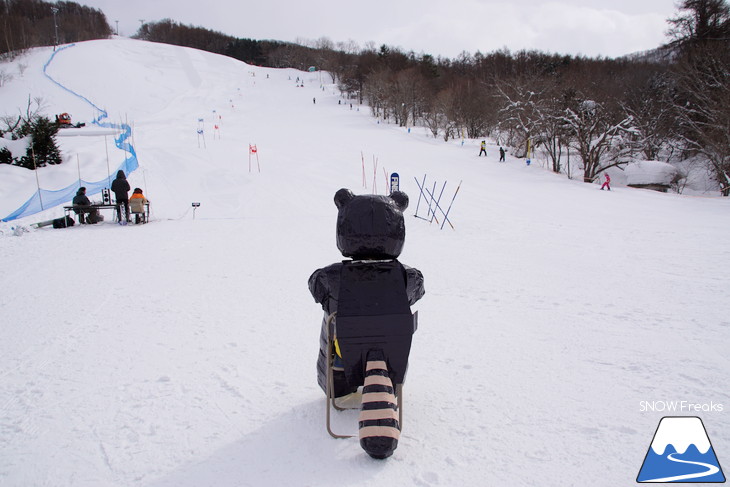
[
  {"x": 43, "y": 149},
  {"x": 5, "y": 156}
]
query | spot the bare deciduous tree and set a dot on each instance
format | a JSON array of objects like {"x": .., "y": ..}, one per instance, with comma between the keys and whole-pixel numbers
[
  {"x": 522, "y": 107},
  {"x": 704, "y": 117},
  {"x": 596, "y": 133}
]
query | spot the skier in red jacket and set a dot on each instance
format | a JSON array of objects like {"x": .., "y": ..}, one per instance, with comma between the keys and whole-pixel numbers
[{"x": 607, "y": 184}]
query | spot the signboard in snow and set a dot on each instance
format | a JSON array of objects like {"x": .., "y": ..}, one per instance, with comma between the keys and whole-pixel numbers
[{"x": 394, "y": 182}]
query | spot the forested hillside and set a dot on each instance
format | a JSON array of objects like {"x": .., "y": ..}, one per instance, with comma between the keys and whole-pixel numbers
[
  {"x": 581, "y": 115},
  {"x": 671, "y": 105},
  {"x": 32, "y": 23}
]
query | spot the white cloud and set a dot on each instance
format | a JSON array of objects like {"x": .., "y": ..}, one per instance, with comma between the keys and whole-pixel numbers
[{"x": 590, "y": 27}]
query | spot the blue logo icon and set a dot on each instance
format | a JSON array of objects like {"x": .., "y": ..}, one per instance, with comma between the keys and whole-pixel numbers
[{"x": 681, "y": 452}]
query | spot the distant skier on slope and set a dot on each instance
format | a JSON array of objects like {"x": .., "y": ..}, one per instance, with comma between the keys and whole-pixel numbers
[{"x": 607, "y": 183}]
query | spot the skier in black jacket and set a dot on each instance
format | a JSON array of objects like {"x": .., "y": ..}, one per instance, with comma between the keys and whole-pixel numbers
[{"x": 121, "y": 188}]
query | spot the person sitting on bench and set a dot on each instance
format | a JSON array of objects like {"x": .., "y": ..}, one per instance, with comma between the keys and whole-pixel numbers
[
  {"x": 137, "y": 204},
  {"x": 81, "y": 201}
]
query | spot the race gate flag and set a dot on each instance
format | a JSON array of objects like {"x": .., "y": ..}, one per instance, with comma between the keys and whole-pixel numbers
[
  {"x": 394, "y": 182},
  {"x": 253, "y": 151},
  {"x": 681, "y": 452}
]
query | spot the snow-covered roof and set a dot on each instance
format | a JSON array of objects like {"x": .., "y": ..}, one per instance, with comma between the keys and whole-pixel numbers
[{"x": 650, "y": 172}]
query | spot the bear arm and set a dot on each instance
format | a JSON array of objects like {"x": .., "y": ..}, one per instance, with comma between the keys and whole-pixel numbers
[
  {"x": 318, "y": 286},
  {"x": 414, "y": 285}
]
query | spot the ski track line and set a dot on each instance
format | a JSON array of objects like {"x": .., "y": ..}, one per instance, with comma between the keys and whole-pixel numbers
[
  {"x": 712, "y": 470},
  {"x": 187, "y": 66}
]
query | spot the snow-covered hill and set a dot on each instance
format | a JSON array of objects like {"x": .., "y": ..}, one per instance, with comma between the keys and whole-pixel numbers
[{"x": 182, "y": 352}]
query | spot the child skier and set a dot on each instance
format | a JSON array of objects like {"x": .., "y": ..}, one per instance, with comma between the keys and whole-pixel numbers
[{"x": 607, "y": 184}]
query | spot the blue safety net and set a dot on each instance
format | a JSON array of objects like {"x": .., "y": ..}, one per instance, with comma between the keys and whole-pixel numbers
[{"x": 44, "y": 199}]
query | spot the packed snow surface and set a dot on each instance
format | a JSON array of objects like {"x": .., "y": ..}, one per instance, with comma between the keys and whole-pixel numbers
[{"x": 559, "y": 321}]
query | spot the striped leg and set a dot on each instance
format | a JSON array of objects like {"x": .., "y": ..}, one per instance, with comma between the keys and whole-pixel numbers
[{"x": 379, "y": 427}]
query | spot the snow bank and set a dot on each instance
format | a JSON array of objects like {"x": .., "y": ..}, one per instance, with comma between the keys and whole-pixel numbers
[
  {"x": 650, "y": 173},
  {"x": 16, "y": 147}
]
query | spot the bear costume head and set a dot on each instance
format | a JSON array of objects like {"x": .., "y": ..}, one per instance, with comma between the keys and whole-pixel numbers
[{"x": 370, "y": 226}]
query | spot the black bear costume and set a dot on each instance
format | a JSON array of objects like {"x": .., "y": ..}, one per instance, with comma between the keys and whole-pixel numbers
[{"x": 371, "y": 231}]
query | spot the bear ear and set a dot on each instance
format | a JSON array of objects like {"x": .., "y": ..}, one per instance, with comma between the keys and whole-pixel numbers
[
  {"x": 342, "y": 197},
  {"x": 401, "y": 199}
]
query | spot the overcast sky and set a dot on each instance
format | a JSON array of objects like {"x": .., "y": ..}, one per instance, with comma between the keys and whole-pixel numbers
[{"x": 608, "y": 28}]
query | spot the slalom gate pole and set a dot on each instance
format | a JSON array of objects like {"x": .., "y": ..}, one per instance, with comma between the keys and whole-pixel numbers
[
  {"x": 375, "y": 175},
  {"x": 420, "y": 193},
  {"x": 425, "y": 194},
  {"x": 387, "y": 182},
  {"x": 439, "y": 199},
  {"x": 432, "y": 212},
  {"x": 446, "y": 216},
  {"x": 108, "y": 169},
  {"x": 37, "y": 180},
  {"x": 364, "y": 180},
  {"x": 252, "y": 149}
]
